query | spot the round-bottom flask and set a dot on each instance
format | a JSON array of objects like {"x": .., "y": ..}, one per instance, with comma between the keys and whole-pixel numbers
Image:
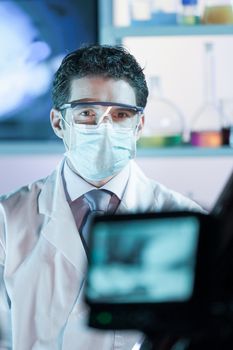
[
  {"x": 164, "y": 123},
  {"x": 206, "y": 128}
]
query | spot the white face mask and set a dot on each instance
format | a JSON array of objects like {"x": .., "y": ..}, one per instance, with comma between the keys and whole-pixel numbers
[{"x": 100, "y": 152}]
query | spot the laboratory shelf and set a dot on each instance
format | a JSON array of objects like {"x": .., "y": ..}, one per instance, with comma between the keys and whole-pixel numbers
[
  {"x": 31, "y": 148},
  {"x": 110, "y": 34},
  {"x": 57, "y": 147},
  {"x": 185, "y": 151}
]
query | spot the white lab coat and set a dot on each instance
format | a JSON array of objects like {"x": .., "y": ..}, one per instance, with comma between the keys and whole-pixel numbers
[{"x": 43, "y": 262}]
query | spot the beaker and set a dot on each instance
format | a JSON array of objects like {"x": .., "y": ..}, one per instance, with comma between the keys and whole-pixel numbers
[
  {"x": 218, "y": 12},
  {"x": 164, "y": 124},
  {"x": 140, "y": 10}
]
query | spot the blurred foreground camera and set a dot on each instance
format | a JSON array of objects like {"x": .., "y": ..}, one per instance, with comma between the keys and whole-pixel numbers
[{"x": 166, "y": 274}]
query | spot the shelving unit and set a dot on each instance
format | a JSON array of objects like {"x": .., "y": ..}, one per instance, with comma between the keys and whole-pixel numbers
[
  {"x": 113, "y": 35},
  {"x": 109, "y": 34}
]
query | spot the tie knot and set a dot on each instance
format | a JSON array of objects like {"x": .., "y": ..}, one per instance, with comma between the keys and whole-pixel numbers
[{"x": 98, "y": 200}]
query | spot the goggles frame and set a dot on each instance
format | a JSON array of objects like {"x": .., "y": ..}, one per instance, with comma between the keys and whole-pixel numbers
[
  {"x": 73, "y": 104},
  {"x": 137, "y": 109}
]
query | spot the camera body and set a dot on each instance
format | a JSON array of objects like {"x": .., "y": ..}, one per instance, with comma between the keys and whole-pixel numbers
[{"x": 152, "y": 271}]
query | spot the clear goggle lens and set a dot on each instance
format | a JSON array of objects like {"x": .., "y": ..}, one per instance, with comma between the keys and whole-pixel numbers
[{"x": 93, "y": 114}]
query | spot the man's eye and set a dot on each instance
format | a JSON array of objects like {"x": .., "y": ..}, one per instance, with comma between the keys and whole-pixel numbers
[
  {"x": 86, "y": 113},
  {"x": 123, "y": 114},
  {"x": 82, "y": 115}
]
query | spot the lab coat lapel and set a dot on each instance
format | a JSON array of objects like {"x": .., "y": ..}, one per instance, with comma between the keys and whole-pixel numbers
[
  {"x": 139, "y": 193},
  {"x": 60, "y": 228}
]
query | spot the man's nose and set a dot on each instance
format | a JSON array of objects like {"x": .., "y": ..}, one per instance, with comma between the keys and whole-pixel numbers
[{"x": 106, "y": 116}]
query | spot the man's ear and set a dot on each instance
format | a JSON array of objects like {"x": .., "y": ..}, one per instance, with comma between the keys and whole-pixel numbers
[
  {"x": 56, "y": 122},
  {"x": 140, "y": 127}
]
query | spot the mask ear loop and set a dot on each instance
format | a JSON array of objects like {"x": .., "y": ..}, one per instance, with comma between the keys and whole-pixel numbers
[
  {"x": 134, "y": 138},
  {"x": 68, "y": 147}
]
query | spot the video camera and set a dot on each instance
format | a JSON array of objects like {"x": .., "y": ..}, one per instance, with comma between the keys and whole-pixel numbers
[{"x": 164, "y": 272}]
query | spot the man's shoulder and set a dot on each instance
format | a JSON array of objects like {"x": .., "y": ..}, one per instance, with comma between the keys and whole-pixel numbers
[
  {"x": 159, "y": 195},
  {"x": 22, "y": 194}
]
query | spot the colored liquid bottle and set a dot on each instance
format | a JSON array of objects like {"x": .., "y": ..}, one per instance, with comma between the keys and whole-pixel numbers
[
  {"x": 188, "y": 13},
  {"x": 163, "y": 120},
  {"x": 226, "y": 105},
  {"x": 206, "y": 128},
  {"x": 218, "y": 12}
]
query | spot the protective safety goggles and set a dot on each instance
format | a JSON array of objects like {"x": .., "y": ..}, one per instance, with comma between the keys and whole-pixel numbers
[{"x": 94, "y": 113}]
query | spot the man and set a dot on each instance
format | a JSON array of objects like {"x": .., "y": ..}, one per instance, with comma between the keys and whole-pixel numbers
[{"x": 99, "y": 93}]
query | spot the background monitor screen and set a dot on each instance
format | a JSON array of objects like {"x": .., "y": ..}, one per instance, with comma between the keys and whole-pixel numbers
[
  {"x": 140, "y": 261},
  {"x": 34, "y": 37}
]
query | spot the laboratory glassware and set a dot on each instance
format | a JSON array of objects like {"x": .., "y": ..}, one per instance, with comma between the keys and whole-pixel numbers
[
  {"x": 206, "y": 127},
  {"x": 164, "y": 123},
  {"x": 218, "y": 12},
  {"x": 188, "y": 12},
  {"x": 226, "y": 105}
]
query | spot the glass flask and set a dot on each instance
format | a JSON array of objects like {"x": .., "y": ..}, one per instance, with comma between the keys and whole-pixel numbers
[
  {"x": 153, "y": 12},
  {"x": 218, "y": 12},
  {"x": 140, "y": 11},
  {"x": 188, "y": 13},
  {"x": 121, "y": 13},
  {"x": 164, "y": 123},
  {"x": 206, "y": 128}
]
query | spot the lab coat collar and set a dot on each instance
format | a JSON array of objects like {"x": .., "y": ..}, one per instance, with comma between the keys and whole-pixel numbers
[{"x": 60, "y": 229}]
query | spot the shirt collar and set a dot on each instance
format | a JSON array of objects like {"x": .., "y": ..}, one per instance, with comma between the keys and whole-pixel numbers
[{"x": 75, "y": 186}]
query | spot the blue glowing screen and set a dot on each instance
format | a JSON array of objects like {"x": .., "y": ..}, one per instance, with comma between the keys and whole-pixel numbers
[
  {"x": 34, "y": 37},
  {"x": 143, "y": 261}
]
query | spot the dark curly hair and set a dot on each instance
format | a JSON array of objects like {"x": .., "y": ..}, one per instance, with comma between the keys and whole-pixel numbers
[{"x": 99, "y": 60}]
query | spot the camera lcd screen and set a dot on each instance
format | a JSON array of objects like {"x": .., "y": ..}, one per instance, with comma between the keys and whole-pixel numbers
[{"x": 143, "y": 261}]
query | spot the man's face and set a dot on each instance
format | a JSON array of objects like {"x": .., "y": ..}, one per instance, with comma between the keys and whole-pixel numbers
[{"x": 94, "y": 89}]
